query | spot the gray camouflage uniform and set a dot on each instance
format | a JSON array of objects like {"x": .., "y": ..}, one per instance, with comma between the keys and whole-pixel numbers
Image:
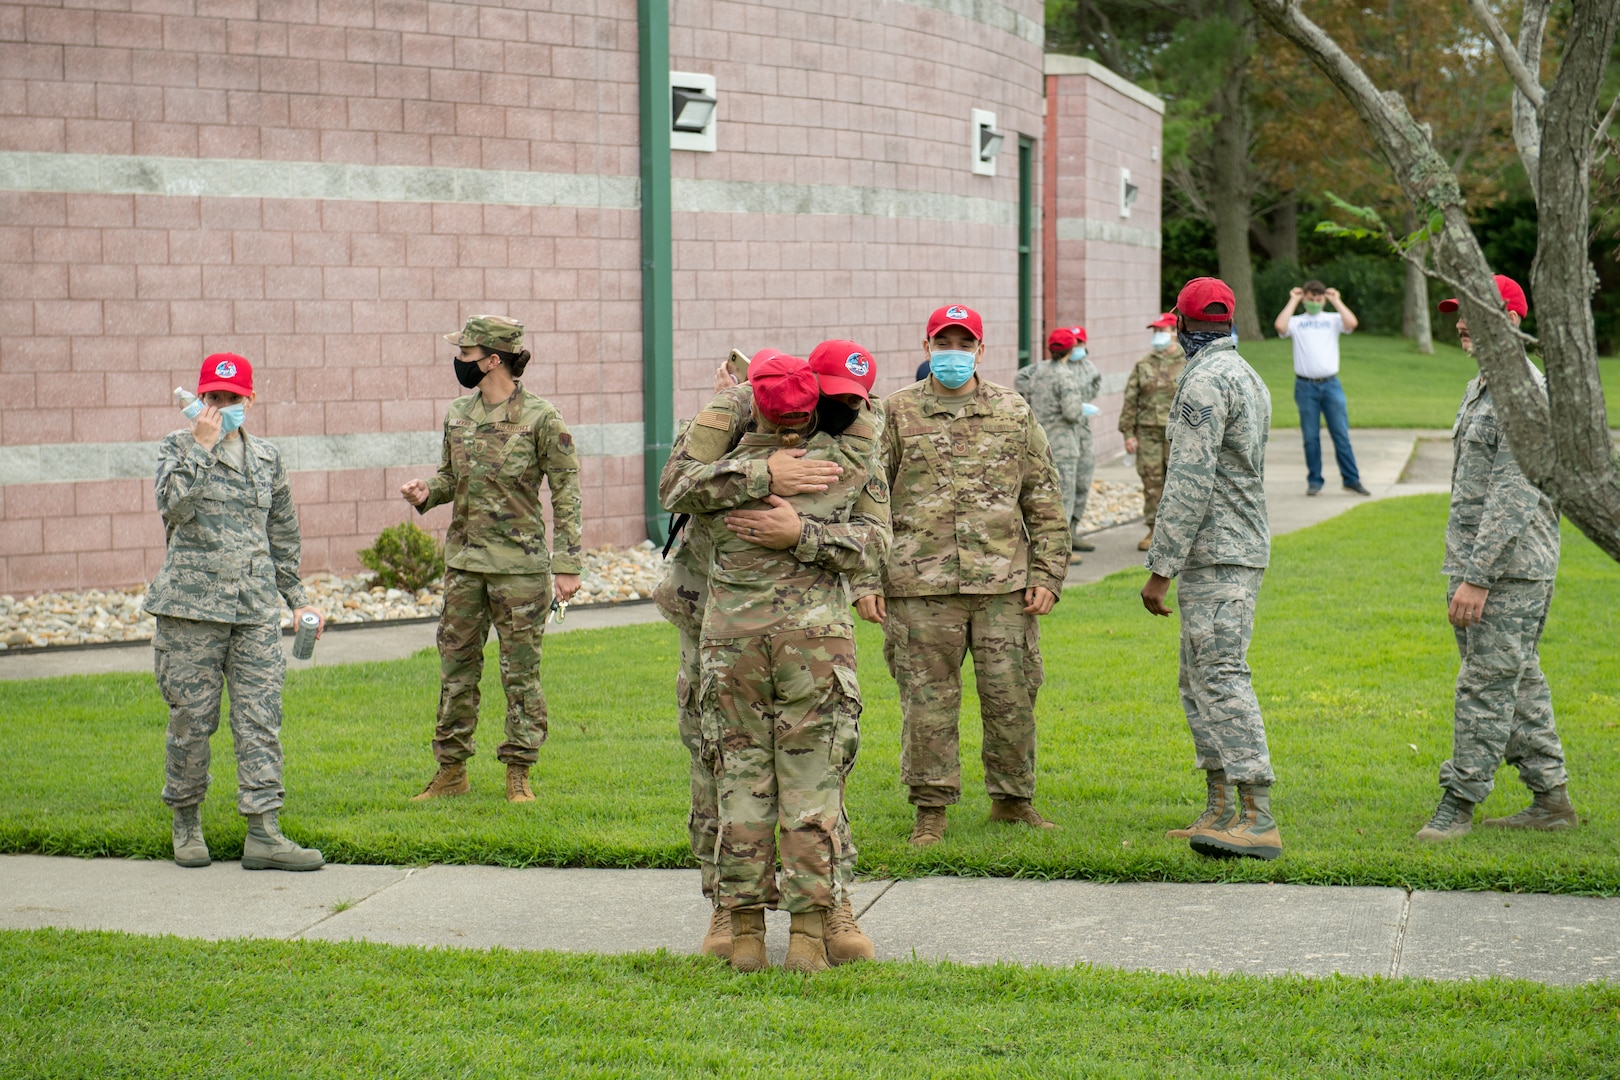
[
  {"x": 232, "y": 558},
  {"x": 1086, "y": 467},
  {"x": 1055, "y": 395},
  {"x": 1213, "y": 533},
  {"x": 1501, "y": 535}
]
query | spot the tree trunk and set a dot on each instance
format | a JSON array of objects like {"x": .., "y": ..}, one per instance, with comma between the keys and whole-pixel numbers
[
  {"x": 1285, "y": 231},
  {"x": 1415, "y": 300},
  {"x": 1561, "y": 439},
  {"x": 1231, "y": 187}
]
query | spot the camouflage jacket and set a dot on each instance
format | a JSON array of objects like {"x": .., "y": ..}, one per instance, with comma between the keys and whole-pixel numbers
[
  {"x": 1150, "y": 389},
  {"x": 1214, "y": 508},
  {"x": 844, "y": 531},
  {"x": 490, "y": 469},
  {"x": 976, "y": 507},
  {"x": 1500, "y": 525},
  {"x": 1054, "y": 396},
  {"x": 233, "y": 536}
]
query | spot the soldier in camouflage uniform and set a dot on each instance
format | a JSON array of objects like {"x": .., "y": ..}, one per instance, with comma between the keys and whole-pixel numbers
[
  {"x": 498, "y": 443},
  {"x": 1214, "y": 535},
  {"x": 1501, "y": 559},
  {"x": 780, "y": 704},
  {"x": 233, "y": 548},
  {"x": 1090, "y": 379},
  {"x": 1145, "y": 412},
  {"x": 1052, "y": 388},
  {"x": 980, "y": 550}
]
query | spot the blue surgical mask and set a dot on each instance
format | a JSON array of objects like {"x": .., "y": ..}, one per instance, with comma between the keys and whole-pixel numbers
[
  {"x": 952, "y": 367},
  {"x": 1161, "y": 339},
  {"x": 231, "y": 417},
  {"x": 1077, "y": 353}
]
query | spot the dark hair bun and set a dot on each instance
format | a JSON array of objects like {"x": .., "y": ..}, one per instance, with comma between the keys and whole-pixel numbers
[{"x": 518, "y": 363}]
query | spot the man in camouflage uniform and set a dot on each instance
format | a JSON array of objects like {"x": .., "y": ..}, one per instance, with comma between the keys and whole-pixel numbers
[
  {"x": 1145, "y": 412},
  {"x": 1214, "y": 535},
  {"x": 498, "y": 443},
  {"x": 1090, "y": 379},
  {"x": 1052, "y": 388},
  {"x": 780, "y": 704},
  {"x": 1501, "y": 559},
  {"x": 233, "y": 547},
  {"x": 980, "y": 550},
  {"x": 682, "y": 597}
]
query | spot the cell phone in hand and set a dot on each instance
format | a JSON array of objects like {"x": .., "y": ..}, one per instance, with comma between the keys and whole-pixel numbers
[{"x": 737, "y": 364}]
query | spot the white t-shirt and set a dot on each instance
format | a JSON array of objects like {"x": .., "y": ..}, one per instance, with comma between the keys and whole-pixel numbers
[{"x": 1316, "y": 343}]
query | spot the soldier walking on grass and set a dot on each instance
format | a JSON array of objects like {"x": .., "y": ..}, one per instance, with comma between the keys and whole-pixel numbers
[
  {"x": 498, "y": 443},
  {"x": 1213, "y": 534},
  {"x": 980, "y": 550},
  {"x": 1054, "y": 392},
  {"x": 695, "y": 463},
  {"x": 1501, "y": 559},
  {"x": 233, "y": 548},
  {"x": 1146, "y": 410},
  {"x": 780, "y": 703}
]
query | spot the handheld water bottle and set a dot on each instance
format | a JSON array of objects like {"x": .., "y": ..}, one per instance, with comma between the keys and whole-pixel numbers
[
  {"x": 189, "y": 404},
  {"x": 304, "y": 641}
]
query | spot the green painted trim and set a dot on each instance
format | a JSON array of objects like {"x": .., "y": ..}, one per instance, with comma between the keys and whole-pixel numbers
[
  {"x": 657, "y": 259},
  {"x": 1026, "y": 246}
]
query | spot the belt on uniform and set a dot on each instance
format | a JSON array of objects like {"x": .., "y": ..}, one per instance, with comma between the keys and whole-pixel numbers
[{"x": 1307, "y": 378}]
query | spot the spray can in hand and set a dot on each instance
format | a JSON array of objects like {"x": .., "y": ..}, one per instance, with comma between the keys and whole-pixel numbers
[
  {"x": 304, "y": 641},
  {"x": 188, "y": 403}
]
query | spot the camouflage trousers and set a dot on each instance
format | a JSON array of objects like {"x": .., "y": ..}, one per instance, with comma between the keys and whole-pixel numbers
[
  {"x": 1217, "y": 621},
  {"x": 1503, "y": 707},
  {"x": 925, "y": 639},
  {"x": 194, "y": 661},
  {"x": 1151, "y": 450},
  {"x": 781, "y": 720},
  {"x": 1084, "y": 469},
  {"x": 517, "y": 604}
]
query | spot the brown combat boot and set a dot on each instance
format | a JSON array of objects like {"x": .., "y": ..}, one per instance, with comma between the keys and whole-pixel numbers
[
  {"x": 1248, "y": 831},
  {"x": 1454, "y": 817},
  {"x": 1018, "y": 812},
  {"x": 717, "y": 942},
  {"x": 190, "y": 849},
  {"x": 846, "y": 942},
  {"x": 451, "y": 779},
  {"x": 1217, "y": 805},
  {"x": 930, "y": 826},
  {"x": 517, "y": 784},
  {"x": 1146, "y": 541},
  {"x": 748, "y": 940},
  {"x": 1548, "y": 811},
  {"x": 807, "y": 947}
]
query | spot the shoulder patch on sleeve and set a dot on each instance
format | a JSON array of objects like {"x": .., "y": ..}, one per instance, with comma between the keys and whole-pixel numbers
[
  {"x": 1193, "y": 417},
  {"x": 714, "y": 418}
]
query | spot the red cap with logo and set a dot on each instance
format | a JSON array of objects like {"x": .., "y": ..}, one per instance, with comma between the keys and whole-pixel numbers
[
  {"x": 1061, "y": 338},
  {"x": 783, "y": 385},
  {"x": 1167, "y": 321},
  {"x": 956, "y": 315},
  {"x": 1206, "y": 299},
  {"x": 1512, "y": 297},
  {"x": 1079, "y": 333},
  {"x": 226, "y": 371},
  {"x": 843, "y": 367}
]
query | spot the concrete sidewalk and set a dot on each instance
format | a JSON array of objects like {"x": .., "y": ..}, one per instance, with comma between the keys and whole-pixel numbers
[{"x": 1250, "y": 929}]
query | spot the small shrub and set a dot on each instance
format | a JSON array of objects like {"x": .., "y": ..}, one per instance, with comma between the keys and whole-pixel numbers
[{"x": 404, "y": 557}]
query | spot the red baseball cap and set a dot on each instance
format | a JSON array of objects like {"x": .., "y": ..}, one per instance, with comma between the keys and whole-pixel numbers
[
  {"x": 1199, "y": 295},
  {"x": 783, "y": 385},
  {"x": 843, "y": 367},
  {"x": 763, "y": 355},
  {"x": 226, "y": 371},
  {"x": 1079, "y": 333},
  {"x": 1167, "y": 321},
  {"x": 956, "y": 315},
  {"x": 1512, "y": 297},
  {"x": 1061, "y": 338}
]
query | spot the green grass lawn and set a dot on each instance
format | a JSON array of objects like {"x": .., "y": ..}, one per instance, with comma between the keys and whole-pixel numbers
[
  {"x": 1354, "y": 666},
  {"x": 1388, "y": 383},
  {"x": 110, "y": 1005}
]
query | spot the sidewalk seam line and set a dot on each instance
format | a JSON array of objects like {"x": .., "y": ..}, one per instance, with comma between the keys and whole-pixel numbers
[
  {"x": 1400, "y": 935},
  {"x": 873, "y": 902},
  {"x": 409, "y": 870}
]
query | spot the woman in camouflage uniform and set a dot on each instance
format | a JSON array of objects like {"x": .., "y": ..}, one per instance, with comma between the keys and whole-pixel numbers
[
  {"x": 498, "y": 443},
  {"x": 1145, "y": 411}
]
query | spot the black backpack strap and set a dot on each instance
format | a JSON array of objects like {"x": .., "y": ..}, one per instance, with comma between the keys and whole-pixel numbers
[{"x": 675, "y": 528}]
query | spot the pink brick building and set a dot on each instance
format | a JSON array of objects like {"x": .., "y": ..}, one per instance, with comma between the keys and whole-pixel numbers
[{"x": 326, "y": 186}]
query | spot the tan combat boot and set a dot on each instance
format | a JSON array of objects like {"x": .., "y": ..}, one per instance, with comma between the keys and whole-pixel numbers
[
  {"x": 1018, "y": 812},
  {"x": 1217, "y": 804},
  {"x": 517, "y": 784},
  {"x": 1548, "y": 811},
  {"x": 266, "y": 849},
  {"x": 1146, "y": 541},
  {"x": 190, "y": 850},
  {"x": 807, "y": 945},
  {"x": 451, "y": 779},
  {"x": 717, "y": 942},
  {"x": 845, "y": 940},
  {"x": 1454, "y": 817},
  {"x": 748, "y": 940},
  {"x": 1248, "y": 831},
  {"x": 930, "y": 826}
]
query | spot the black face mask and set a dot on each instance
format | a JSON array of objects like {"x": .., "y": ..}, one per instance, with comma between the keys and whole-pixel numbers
[
  {"x": 833, "y": 416},
  {"x": 468, "y": 373}
]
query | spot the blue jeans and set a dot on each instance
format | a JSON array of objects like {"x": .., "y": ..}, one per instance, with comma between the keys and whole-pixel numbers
[{"x": 1316, "y": 400}]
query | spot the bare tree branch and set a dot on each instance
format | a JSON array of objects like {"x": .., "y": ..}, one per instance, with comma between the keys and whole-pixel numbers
[
  {"x": 1527, "y": 83},
  {"x": 1526, "y": 122},
  {"x": 1603, "y": 127}
]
